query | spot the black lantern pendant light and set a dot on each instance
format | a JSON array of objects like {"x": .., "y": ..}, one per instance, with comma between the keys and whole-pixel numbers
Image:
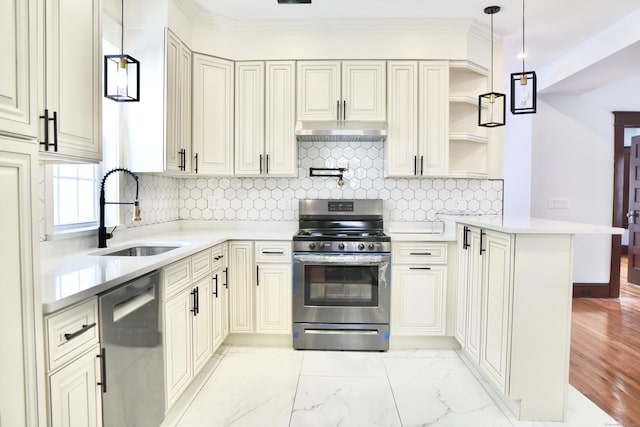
[
  {"x": 491, "y": 106},
  {"x": 122, "y": 73},
  {"x": 523, "y": 85}
]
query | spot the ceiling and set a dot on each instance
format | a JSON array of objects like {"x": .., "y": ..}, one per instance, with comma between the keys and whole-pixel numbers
[{"x": 553, "y": 27}]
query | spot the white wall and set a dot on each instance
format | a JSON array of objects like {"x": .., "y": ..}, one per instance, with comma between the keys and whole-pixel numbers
[{"x": 572, "y": 159}]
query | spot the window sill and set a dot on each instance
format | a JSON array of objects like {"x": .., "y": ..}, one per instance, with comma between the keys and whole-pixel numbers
[{"x": 72, "y": 233}]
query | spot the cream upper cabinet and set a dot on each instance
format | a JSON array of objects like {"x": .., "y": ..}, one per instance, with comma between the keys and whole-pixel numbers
[
  {"x": 265, "y": 121},
  {"x": 178, "y": 105},
  {"x": 418, "y": 119},
  {"x": 347, "y": 90},
  {"x": 419, "y": 291},
  {"x": 18, "y": 77},
  {"x": 213, "y": 118},
  {"x": 71, "y": 104}
]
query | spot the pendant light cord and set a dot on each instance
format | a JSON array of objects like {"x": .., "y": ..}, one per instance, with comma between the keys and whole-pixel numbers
[
  {"x": 491, "y": 51},
  {"x": 122, "y": 27},
  {"x": 524, "y": 54}
]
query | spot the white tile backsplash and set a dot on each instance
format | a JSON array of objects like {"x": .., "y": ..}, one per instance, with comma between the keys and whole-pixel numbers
[{"x": 276, "y": 199}]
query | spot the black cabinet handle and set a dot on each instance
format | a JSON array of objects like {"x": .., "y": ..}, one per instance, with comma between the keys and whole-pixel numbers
[
  {"x": 218, "y": 257},
  {"x": 48, "y": 119},
  {"x": 103, "y": 370},
  {"x": 260, "y": 164},
  {"x": 55, "y": 131},
  {"x": 226, "y": 277},
  {"x": 79, "y": 332},
  {"x": 482, "y": 234},
  {"x": 415, "y": 165},
  {"x": 257, "y": 275},
  {"x": 338, "y": 110},
  {"x": 196, "y": 158},
  {"x": 465, "y": 237},
  {"x": 419, "y": 268},
  {"x": 267, "y": 164},
  {"x": 421, "y": 165},
  {"x": 216, "y": 288},
  {"x": 194, "y": 310},
  {"x": 420, "y": 253},
  {"x": 273, "y": 252},
  {"x": 344, "y": 110},
  {"x": 183, "y": 159}
]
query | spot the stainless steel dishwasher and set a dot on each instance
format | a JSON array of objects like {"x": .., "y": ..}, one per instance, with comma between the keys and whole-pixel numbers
[{"x": 133, "y": 368}]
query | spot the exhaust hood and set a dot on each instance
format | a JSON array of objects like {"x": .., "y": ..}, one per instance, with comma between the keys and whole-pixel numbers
[{"x": 358, "y": 131}]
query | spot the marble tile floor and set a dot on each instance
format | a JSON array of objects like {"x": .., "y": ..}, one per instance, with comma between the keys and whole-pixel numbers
[{"x": 280, "y": 387}]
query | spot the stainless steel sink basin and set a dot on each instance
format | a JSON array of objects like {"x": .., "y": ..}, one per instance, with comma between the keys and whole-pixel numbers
[{"x": 140, "y": 251}]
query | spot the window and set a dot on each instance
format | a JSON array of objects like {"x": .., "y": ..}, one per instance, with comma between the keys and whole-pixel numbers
[{"x": 75, "y": 188}]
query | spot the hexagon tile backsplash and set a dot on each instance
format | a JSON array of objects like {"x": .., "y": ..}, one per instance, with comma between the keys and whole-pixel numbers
[{"x": 276, "y": 199}]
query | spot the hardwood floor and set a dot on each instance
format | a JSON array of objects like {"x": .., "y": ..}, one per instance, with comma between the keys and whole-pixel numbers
[{"x": 605, "y": 351}]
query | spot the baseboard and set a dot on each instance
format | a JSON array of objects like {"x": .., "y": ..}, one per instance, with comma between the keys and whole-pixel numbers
[{"x": 591, "y": 290}]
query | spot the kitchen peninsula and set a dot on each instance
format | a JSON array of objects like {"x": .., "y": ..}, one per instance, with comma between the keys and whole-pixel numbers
[{"x": 513, "y": 307}]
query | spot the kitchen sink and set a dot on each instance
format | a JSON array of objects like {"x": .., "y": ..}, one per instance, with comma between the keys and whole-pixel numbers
[{"x": 140, "y": 250}]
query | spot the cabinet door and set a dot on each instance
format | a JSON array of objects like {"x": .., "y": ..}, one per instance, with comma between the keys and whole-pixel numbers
[
  {"x": 20, "y": 306},
  {"x": 74, "y": 76},
  {"x": 213, "y": 115},
  {"x": 75, "y": 394},
  {"x": 250, "y": 155},
  {"x": 18, "y": 77},
  {"x": 474, "y": 296},
  {"x": 364, "y": 90},
  {"x": 401, "y": 147},
  {"x": 178, "y": 345},
  {"x": 462, "y": 284},
  {"x": 318, "y": 90},
  {"x": 496, "y": 317},
  {"x": 202, "y": 325},
  {"x": 178, "y": 104},
  {"x": 241, "y": 284},
  {"x": 419, "y": 300},
  {"x": 281, "y": 148},
  {"x": 273, "y": 299},
  {"x": 434, "y": 119},
  {"x": 217, "y": 331}
]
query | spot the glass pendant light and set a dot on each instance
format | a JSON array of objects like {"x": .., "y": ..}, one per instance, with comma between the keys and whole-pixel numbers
[
  {"x": 122, "y": 73},
  {"x": 491, "y": 105},
  {"x": 523, "y": 85}
]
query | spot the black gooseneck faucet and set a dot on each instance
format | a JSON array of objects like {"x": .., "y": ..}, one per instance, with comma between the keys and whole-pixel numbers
[{"x": 102, "y": 230}]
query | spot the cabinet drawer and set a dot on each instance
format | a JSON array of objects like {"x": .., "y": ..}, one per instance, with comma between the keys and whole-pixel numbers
[
  {"x": 417, "y": 252},
  {"x": 176, "y": 277},
  {"x": 201, "y": 264},
  {"x": 217, "y": 257},
  {"x": 279, "y": 252},
  {"x": 70, "y": 332}
]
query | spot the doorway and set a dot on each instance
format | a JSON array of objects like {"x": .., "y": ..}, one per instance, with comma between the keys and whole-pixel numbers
[{"x": 622, "y": 120}]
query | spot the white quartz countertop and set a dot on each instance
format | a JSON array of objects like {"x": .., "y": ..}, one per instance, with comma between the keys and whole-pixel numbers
[
  {"x": 75, "y": 276},
  {"x": 532, "y": 225}
]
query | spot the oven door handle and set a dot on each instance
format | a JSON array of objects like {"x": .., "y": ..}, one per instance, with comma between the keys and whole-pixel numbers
[{"x": 342, "y": 259}]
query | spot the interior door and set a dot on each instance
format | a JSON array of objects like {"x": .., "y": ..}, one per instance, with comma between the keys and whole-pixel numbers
[{"x": 633, "y": 273}]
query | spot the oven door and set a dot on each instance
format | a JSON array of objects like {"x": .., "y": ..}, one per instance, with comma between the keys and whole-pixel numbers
[{"x": 341, "y": 288}]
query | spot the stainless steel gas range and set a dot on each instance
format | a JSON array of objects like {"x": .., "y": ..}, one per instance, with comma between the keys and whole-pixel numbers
[{"x": 341, "y": 276}]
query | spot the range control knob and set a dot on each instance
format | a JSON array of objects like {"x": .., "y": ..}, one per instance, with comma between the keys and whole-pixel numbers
[
  {"x": 312, "y": 246},
  {"x": 371, "y": 246},
  {"x": 341, "y": 246},
  {"x": 360, "y": 246}
]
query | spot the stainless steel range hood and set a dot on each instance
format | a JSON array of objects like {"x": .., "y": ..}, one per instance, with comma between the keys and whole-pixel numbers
[{"x": 358, "y": 131}]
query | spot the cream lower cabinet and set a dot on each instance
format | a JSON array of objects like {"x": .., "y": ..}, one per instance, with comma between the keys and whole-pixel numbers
[
  {"x": 73, "y": 364},
  {"x": 419, "y": 288},
  {"x": 188, "y": 321},
  {"x": 513, "y": 315},
  {"x": 260, "y": 287},
  {"x": 75, "y": 397}
]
